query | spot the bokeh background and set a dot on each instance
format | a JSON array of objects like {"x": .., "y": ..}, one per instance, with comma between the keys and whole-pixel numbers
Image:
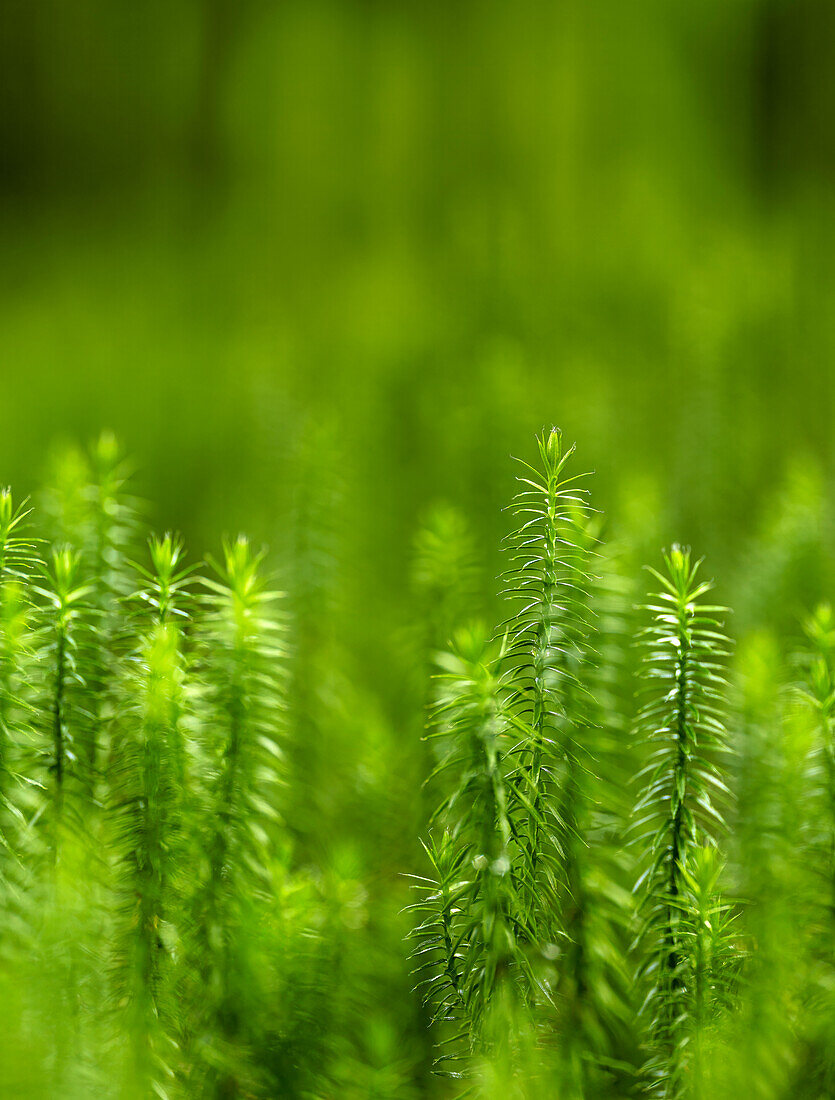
[{"x": 323, "y": 266}]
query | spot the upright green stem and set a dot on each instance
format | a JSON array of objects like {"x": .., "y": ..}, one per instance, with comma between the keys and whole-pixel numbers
[
  {"x": 683, "y": 644},
  {"x": 58, "y": 716},
  {"x": 678, "y": 839},
  {"x": 544, "y": 628}
]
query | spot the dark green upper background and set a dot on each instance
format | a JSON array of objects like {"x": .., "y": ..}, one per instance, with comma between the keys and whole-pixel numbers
[{"x": 405, "y": 236}]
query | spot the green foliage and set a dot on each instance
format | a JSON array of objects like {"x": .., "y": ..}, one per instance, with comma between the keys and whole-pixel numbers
[
  {"x": 65, "y": 711},
  {"x": 548, "y": 579},
  {"x": 524, "y": 918},
  {"x": 472, "y": 913},
  {"x": 524, "y": 914},
  {"x": 148, "y": 787},
  {"x": 683, "y": 720},
  {"x": 616, "y": 898},
  {"x": 145, "y": 856},
  {"x": 18, "y": 560},
  {"x": 323, "y": 265},
  {"x": 240, "y": 655}
]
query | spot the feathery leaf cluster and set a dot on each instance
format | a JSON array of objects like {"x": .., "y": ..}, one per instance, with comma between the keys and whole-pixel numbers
[
  {"x": 682, "y": 719},
  {"x": 142, "y": 710},
  {"x": 628, "y": 883},
  {"x": 529, "y": 901}
]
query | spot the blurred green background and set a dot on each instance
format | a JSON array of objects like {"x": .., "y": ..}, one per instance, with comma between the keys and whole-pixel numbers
[{"x": 323, "y": 265}]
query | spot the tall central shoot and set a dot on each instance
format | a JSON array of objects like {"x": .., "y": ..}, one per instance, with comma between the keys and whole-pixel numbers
[
  {"x": 684, "y": 646},
  {"x": 243, "y": 665},
  {"x": 508, "y": 895},
  {"x": 548, "y": 580},
  {"x": 64, "y": 614},
  {"x": 147, "y": 785}
]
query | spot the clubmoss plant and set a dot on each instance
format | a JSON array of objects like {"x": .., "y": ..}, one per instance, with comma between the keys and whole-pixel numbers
[
  {"x": 684, "y": 650},
  {"x": 468, "y": 940},
  {"x": 200, "y": 833},
  {"x": 64, "y": 714},
  {"x": 548, "y": 582},
  {"x": 242, "y": 655},
  {"x": 515, "y": 889},
  {"x": 148, "y": 784}
]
